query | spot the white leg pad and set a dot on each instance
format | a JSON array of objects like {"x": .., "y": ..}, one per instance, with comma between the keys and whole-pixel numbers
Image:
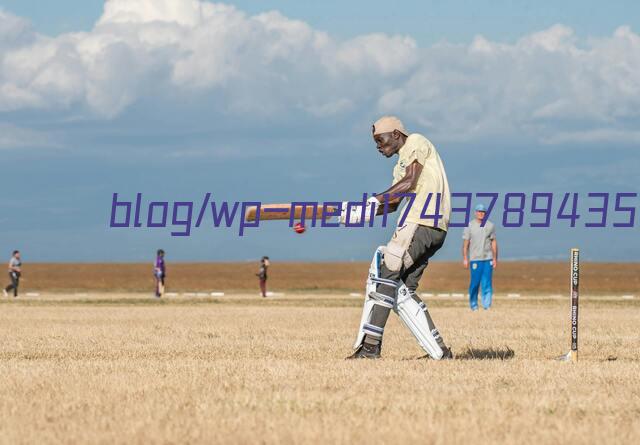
[
  {"x": 413, "y": 316},
  {"x": 373, "y": 298},
  {"x": 410, "y": 312}
]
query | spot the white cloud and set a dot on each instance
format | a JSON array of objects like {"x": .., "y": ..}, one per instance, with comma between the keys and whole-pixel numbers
[
  {"x": 379, "y": 53},
  {"x": 257, "y": 64},
  {"x": 549, "y": 86},
  {"x": 14, "y": 30},
  {"x": 545, "y": 84}
]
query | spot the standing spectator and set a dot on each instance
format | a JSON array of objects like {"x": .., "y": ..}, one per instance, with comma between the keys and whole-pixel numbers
[
  {"x": 480, "y": 249},
  {"x": 262, "y": 275},
  {"x": 15, "y": 270},
  {"x": 160, "y": 272}
]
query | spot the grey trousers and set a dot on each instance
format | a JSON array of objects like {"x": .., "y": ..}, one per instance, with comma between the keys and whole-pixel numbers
[{"x": 425, "y": 243}]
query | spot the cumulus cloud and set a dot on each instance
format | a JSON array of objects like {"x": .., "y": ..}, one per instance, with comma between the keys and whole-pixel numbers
[
  {"x": 550, "y": 86},
  {"x": 257, "y": 64},
  {"x": 543, "y": 86},
  {"x": 14, "y": 31}
]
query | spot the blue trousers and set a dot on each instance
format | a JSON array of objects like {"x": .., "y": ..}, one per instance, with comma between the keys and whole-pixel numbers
[{"x": 481, "y": 275}]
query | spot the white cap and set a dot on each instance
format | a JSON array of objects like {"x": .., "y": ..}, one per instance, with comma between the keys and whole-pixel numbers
[{"x": 387, "y": 124}]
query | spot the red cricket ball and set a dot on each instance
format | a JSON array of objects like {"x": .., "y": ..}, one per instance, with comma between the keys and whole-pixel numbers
[{"x": 299, "y": 228}]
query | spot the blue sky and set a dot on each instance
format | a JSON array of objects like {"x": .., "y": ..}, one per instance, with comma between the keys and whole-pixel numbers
[{"x": 176, "y": 98}]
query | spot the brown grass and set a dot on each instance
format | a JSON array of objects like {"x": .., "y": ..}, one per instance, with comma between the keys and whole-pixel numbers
[
  {"x": 254, "y": 371},
  {"x": 522, "y": 277}
]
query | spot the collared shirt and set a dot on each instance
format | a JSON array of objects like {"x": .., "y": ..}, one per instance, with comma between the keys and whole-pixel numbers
[
  {"x": 433, "y": 179},
  {"x": 480, "y": 240}
]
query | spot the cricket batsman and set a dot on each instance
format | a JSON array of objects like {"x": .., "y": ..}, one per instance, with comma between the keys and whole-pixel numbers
[{"x": 396, "y": 268}]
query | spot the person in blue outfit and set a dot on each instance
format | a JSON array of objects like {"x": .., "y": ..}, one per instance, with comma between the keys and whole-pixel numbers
[
  {"x": 159, "y": 272},
  {"x": 480, "y": 254}
]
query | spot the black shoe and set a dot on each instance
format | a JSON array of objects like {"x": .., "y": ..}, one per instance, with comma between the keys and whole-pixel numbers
[
  {"x": 447, "y": 354},
  {"x": 366, "y": 351}
]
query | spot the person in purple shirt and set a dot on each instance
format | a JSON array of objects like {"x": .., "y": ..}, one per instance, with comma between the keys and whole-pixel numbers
[{"x": 159, "y": 272}]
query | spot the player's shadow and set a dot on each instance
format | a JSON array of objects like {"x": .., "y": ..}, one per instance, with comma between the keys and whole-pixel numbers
[{"x": 502, "y": 353}]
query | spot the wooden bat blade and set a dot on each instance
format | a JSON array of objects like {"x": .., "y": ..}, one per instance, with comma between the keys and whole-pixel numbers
[{"x": 283, "y": 211}]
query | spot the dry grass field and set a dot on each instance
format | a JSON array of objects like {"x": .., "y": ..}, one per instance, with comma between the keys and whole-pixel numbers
[{"x": 124, "y": 368}]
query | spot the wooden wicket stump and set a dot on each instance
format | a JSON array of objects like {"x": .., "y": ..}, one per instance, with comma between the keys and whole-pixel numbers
[{"x": 572, "y": 355}]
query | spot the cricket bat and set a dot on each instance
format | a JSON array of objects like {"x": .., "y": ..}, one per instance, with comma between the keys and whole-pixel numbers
[{"x": 289, "y": 211}]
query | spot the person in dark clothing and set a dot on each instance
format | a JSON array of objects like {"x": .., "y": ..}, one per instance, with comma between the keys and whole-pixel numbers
[
  {"x": 15, "y": 270},
  {"x": 262, "y": 275}
]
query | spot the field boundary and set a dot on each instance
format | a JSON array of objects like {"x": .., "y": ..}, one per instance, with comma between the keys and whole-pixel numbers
[{"x": 334, "y": 299}]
